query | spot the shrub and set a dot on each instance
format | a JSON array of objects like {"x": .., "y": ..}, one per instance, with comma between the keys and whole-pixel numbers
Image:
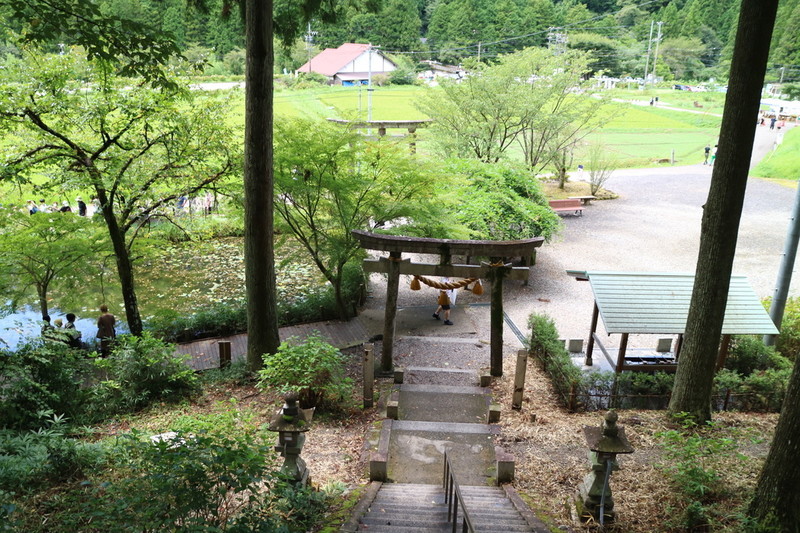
[
  {"x": 41, "y": 378},
  {"x": 30, "y": 460},
  {"x": 788, "y": 342},
  {"x": 748, "y": 354},
  {"x": 312, "y": 368},
  {"x": 142, "y": 370},
  {"x": 546, "y": 346},
  {"x": 210, "y": 481},
  {"x": 213, "y": 321}
]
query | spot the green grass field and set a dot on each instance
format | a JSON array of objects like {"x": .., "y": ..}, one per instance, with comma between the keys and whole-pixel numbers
[{"x": 784, "y": 162}]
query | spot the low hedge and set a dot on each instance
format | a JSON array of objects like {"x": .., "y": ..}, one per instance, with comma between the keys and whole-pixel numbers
[{"x": 755, "y": 377}]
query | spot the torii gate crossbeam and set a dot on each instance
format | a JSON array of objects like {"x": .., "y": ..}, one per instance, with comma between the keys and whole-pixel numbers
[{"x": 496, "y": 271}]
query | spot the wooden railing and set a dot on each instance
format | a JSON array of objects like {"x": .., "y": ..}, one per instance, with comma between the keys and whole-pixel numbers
[{"x": 454, "y": 499}]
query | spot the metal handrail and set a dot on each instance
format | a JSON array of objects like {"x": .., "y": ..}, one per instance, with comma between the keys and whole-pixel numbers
[{"x": 453, "y": 497}]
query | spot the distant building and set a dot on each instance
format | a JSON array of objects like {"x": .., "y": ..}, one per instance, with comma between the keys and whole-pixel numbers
[
  {"x": 438, "y": 70},
  {"x": 350, "y": 64}
]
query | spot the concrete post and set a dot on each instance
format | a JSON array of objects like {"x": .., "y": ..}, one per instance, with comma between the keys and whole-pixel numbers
[
  {"x": 369, "y": 375},
  {"x": 519, "y": 379}
]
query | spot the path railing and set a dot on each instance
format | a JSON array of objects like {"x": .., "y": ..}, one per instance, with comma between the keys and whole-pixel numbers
[{"x": 454, "y": 499}]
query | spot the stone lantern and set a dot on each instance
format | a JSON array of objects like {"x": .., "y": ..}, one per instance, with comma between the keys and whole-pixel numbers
[
  {"x": 605, "y": 443},
  {"x": 291, "y": 423}
]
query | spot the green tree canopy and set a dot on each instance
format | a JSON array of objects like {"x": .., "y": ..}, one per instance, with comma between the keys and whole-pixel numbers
[
  {"x": 138, "y": 149},
  {"x": 46, "y": 250},
  {"x": 330, "y": 181}
]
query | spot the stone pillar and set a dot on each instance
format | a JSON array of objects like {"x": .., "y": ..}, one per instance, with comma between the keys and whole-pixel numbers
[
  {"x": 369, "y": 375},
  {"x": 392, "y": 288},
  {"x": 497, "y": 273}
]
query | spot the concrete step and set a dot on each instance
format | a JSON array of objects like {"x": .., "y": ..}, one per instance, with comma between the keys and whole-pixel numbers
[
  {"x": 440, "y": 376},
  {"x": 403, "y": 529},
  {"x": 443, "y": 403}
]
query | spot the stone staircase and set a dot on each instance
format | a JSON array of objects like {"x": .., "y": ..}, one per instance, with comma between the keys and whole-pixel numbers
[{"x": 433, "y": 411}]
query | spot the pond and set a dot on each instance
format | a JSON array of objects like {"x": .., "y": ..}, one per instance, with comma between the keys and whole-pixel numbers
[{"x": 184, "y": 277}]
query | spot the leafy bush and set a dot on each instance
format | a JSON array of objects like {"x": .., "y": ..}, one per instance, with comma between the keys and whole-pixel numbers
[
  {"x": 748, "y": 354},
  {"x": 32, "y": 459},
  {"x": 504, "y": 202},
  {"x": 142, "y": 370},
  {"x": 312, "y": 368},
  {"x": 213, "y": 321},
  {"x": 211, "y": 482},
  {"x": 788, "y": 342},
  {"x": 39, "y": 378}
]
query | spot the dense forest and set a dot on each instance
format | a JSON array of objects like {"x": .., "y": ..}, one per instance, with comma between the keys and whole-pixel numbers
[{"x": 693, "y": 37}]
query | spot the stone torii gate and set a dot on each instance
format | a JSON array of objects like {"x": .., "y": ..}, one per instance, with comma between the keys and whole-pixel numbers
[{"x": 495, "y": 271}]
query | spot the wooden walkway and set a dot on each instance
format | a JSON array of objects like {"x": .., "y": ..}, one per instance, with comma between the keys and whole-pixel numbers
[{"x": 205, "y": 352}]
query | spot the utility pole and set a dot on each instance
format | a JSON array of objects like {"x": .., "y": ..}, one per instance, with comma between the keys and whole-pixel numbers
[
  {"x": 649, "y": 45},
  {"x": 556, "y": 41},
  {"x": 479, "y": 53},
  {"x": 781, "y": 293},
  {"x": 309, "y": 38},
  {"x": 369, "y": 87},
  {"x": 783, "y": 69},
  {"x": 655, "y": 55}
]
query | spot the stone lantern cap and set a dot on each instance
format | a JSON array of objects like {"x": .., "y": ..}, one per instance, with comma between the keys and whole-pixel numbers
[
  {"x": 609, "y": 438},
  {"x": 290, "y": 417}
]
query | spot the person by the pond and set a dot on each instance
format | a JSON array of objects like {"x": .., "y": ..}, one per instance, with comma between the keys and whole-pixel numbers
[
  {"x": 47, "y": 327},
  {"x": 447, "y": 299},
  {"x": 105, "y": 330},
  {"x": 707, "y": 151},
  {"x": 81, "y": 206},
  {"x": 73, "y": 335}
]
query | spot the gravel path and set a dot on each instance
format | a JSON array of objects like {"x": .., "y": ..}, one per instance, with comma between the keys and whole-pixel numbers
[{"x": 654, "y": 226}]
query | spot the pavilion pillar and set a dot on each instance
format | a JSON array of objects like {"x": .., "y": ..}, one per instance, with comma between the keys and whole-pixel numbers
[
  {"x": 497, "y": 273},
  {"x": 590, "y": 345},
  {"x": 392, "y": 287}
]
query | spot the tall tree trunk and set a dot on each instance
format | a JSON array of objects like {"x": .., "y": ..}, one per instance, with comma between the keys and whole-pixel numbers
[
  {"x": 777, "y": 493},
  {"x": 262, "y": 315},
  {"x": 42, "y": 293},
  {"x": 124, "y": 265},
  {"x": 720, "y": 225}
]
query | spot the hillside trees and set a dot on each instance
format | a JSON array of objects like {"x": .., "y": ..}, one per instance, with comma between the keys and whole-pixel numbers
[
  {"x": 138, "y": 149},
  {"x": 330, "y": 181}
]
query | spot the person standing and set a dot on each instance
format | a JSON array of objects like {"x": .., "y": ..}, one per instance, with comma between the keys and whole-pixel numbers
[
  {"x": 73, "y": 335},
  {"x": 105, "y": 330},
  {"x": 772, "y": 123},
  {"x": 447, "y": 299},
  {"x": 707, "y": 151},
  {"x": 713, "y": 155},
  {"x": 81, "y": 206}
]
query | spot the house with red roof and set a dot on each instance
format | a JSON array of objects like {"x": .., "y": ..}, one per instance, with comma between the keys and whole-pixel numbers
[{"x": 350, "y": 64}]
